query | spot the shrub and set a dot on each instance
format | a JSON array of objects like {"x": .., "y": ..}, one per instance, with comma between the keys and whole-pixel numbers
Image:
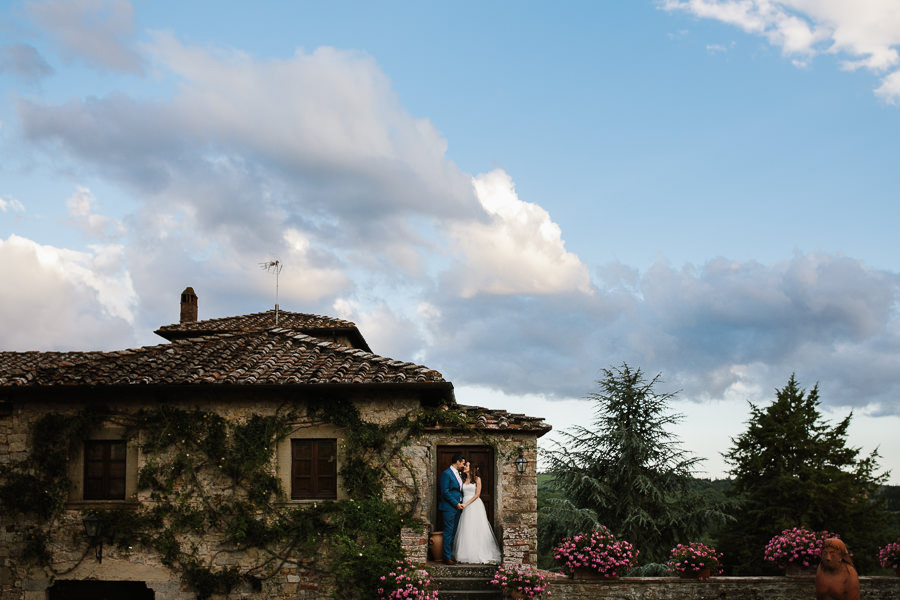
[
  {"x": 407, "y": 582},
  {"x": 525, "y": 579},
  {"x": 889, "y": 556},
  {"x": 599, "y": 551},
  {"x": 694, "y": 558},
  {"x": 797, "y": 546}
]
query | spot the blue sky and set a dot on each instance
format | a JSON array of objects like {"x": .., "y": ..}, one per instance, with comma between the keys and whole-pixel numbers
[{"x": 515, "y": 194}]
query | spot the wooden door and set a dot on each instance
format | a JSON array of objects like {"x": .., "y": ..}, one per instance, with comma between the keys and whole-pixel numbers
[{"x": 477, "y": 455}]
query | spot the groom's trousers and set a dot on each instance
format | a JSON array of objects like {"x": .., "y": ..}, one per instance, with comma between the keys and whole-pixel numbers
[{"x": 451, "y": 518}]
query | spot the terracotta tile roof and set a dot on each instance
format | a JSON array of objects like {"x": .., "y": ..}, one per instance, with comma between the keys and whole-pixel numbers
[
  {"x": 314, "y": 325},
  {"x": 493, "y": 419},
  {"x": 18, "y": 364},
  {"x": 275, "y": 357}
]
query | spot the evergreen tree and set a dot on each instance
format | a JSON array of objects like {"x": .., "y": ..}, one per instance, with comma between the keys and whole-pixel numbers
[
  {"x": 792, "y": 469},
  {"x": 626, "y": 472}
]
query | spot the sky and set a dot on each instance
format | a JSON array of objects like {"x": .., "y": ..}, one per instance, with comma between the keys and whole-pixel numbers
[{"x": 517, "y": 194}]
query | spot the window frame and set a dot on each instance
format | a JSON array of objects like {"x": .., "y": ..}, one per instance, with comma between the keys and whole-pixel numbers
[
  {"x": 322, "y": 486},
  {"x": 106, "y": 479},
  {"x": 76, "y": 468},
  {"x": 284, "y": 459}
]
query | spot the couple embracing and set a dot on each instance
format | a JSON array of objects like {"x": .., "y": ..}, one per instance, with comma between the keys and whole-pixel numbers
[{"x": 468, "y": 537}]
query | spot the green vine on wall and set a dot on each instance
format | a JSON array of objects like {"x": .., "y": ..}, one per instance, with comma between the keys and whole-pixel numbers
[{"x": 204, "y": 473}]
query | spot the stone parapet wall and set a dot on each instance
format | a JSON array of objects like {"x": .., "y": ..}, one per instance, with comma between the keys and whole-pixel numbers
[{"x": 717, "y": 588}]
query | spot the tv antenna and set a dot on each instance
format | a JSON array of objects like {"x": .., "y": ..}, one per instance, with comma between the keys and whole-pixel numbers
[{"x": 274, "y": 266}]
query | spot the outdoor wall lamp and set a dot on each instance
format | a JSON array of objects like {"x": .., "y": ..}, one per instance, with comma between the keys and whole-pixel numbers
[
  {"x": 93, "y": 528},
  {"x": 521, "y": 462}
]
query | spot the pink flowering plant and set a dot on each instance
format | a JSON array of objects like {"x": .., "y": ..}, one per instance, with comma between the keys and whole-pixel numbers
[
  {"x": 407, "y": 582},
  {"x": 694, "y": 558},
  {"x": 599, "y": 551},
  {"x": 525, "y": 579},
  {"x": 889, "y": 556},
  {"x": 799, "y": 547}
]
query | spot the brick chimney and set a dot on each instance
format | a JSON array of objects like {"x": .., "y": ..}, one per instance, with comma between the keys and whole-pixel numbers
[{"x": 188, "y": 306}]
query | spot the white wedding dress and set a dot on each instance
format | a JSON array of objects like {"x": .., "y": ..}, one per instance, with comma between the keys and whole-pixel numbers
[{"x": 474, "y": 542}]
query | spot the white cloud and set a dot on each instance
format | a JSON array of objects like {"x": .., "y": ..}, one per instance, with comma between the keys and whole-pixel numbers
[
  {"x": 81, "y": 207},
  {"x": 54, "y": 298},
  {"x": 97, "y": 32},
  {"x": 518, "y": 250},
  {"x": 11, "y": 204},
  {"x": 866, "y": 33},
  {"x": 889, "y": 90},
  {"x": 248, "y": 149}
]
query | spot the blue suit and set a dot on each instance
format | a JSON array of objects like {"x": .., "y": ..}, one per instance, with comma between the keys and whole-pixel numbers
[{"x": 451, "y": 495}]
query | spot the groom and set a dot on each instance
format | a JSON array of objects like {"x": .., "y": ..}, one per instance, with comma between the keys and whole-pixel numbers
[{"x": 451, "y": 503}]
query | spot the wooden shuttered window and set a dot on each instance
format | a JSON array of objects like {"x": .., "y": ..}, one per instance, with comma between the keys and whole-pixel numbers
[
  {"x": 104, "y": 470},
  {"x": 313, "y": 469}
]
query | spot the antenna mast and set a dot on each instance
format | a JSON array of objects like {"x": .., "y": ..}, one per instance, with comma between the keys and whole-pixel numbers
[{"x": 274, "y": 266}]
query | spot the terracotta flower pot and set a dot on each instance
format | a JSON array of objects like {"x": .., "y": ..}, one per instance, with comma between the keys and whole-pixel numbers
[
  {"x": 589, "y": 573},
  {"x": 436, "y": 545},
  {"x": 793, "y": 570},
  {"x": 702, "y": 574}
]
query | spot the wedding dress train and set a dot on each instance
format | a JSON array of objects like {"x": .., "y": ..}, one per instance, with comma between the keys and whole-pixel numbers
[{"x": 474, "y": 542}]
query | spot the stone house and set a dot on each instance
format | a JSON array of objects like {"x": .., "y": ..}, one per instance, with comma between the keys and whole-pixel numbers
[{"x": 269, "y": 455}]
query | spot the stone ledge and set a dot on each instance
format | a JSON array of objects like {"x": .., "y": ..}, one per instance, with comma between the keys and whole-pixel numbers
[{"x": 717, "y": 588}]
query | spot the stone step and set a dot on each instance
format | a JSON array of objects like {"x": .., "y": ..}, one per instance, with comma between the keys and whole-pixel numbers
[
  {"x": 463, "y": 583},
  {"x": 441, "y": 570}
]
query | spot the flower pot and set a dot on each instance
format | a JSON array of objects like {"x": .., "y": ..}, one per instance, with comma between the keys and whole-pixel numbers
[
  {"x": 517, "y": 595},
  {"x": 793, "y": 570},
  {"x": 436, "y": 545},
  {"x": 589, "y": 573},
  {"x": 701, "y": 574}
]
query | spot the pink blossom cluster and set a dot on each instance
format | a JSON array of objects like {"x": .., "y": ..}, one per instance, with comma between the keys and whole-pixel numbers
[
  {"x": 525, "y": 579},
  {"x": 695, "y": 557},
  {"x": 407, "y": 582},
  {"x": 889, "y": 556},
  {"x": 598, "y": 550},
  {"x": 797, "y": 546}
]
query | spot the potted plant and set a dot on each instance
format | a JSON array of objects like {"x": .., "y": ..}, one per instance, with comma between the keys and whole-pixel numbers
[
  {"x": 695, "y": 561},
  {"x": 597, "y": 554},
  {"x": 797, "y": 550},
  {"x": 889, "y": 556},
  {"x": 408, "y": 582},
  {"x": 520, "y": 581}
]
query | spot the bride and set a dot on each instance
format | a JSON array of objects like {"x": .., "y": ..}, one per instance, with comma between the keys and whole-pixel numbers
[{"x": 474, "y": 542}]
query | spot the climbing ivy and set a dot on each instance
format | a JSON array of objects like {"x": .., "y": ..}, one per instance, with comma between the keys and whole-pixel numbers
[{"x": 204, "y": 473}]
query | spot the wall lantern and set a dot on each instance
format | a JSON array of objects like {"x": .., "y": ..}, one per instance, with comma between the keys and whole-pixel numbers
[
  {"x": 93, "y": 528},
  {"x": 521, "y": 462}
]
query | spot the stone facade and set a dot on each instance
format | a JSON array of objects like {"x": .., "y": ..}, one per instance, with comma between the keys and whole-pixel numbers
[{"x": 412, "y": 484}]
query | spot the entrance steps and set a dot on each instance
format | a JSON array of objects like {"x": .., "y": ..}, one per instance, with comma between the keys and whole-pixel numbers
[{"x": 464, "y": 582}]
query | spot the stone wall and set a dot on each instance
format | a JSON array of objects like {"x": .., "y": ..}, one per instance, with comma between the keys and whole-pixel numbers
[
  {"x": 717, "y": 588},
  {"x": 73, "y": 558}
]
